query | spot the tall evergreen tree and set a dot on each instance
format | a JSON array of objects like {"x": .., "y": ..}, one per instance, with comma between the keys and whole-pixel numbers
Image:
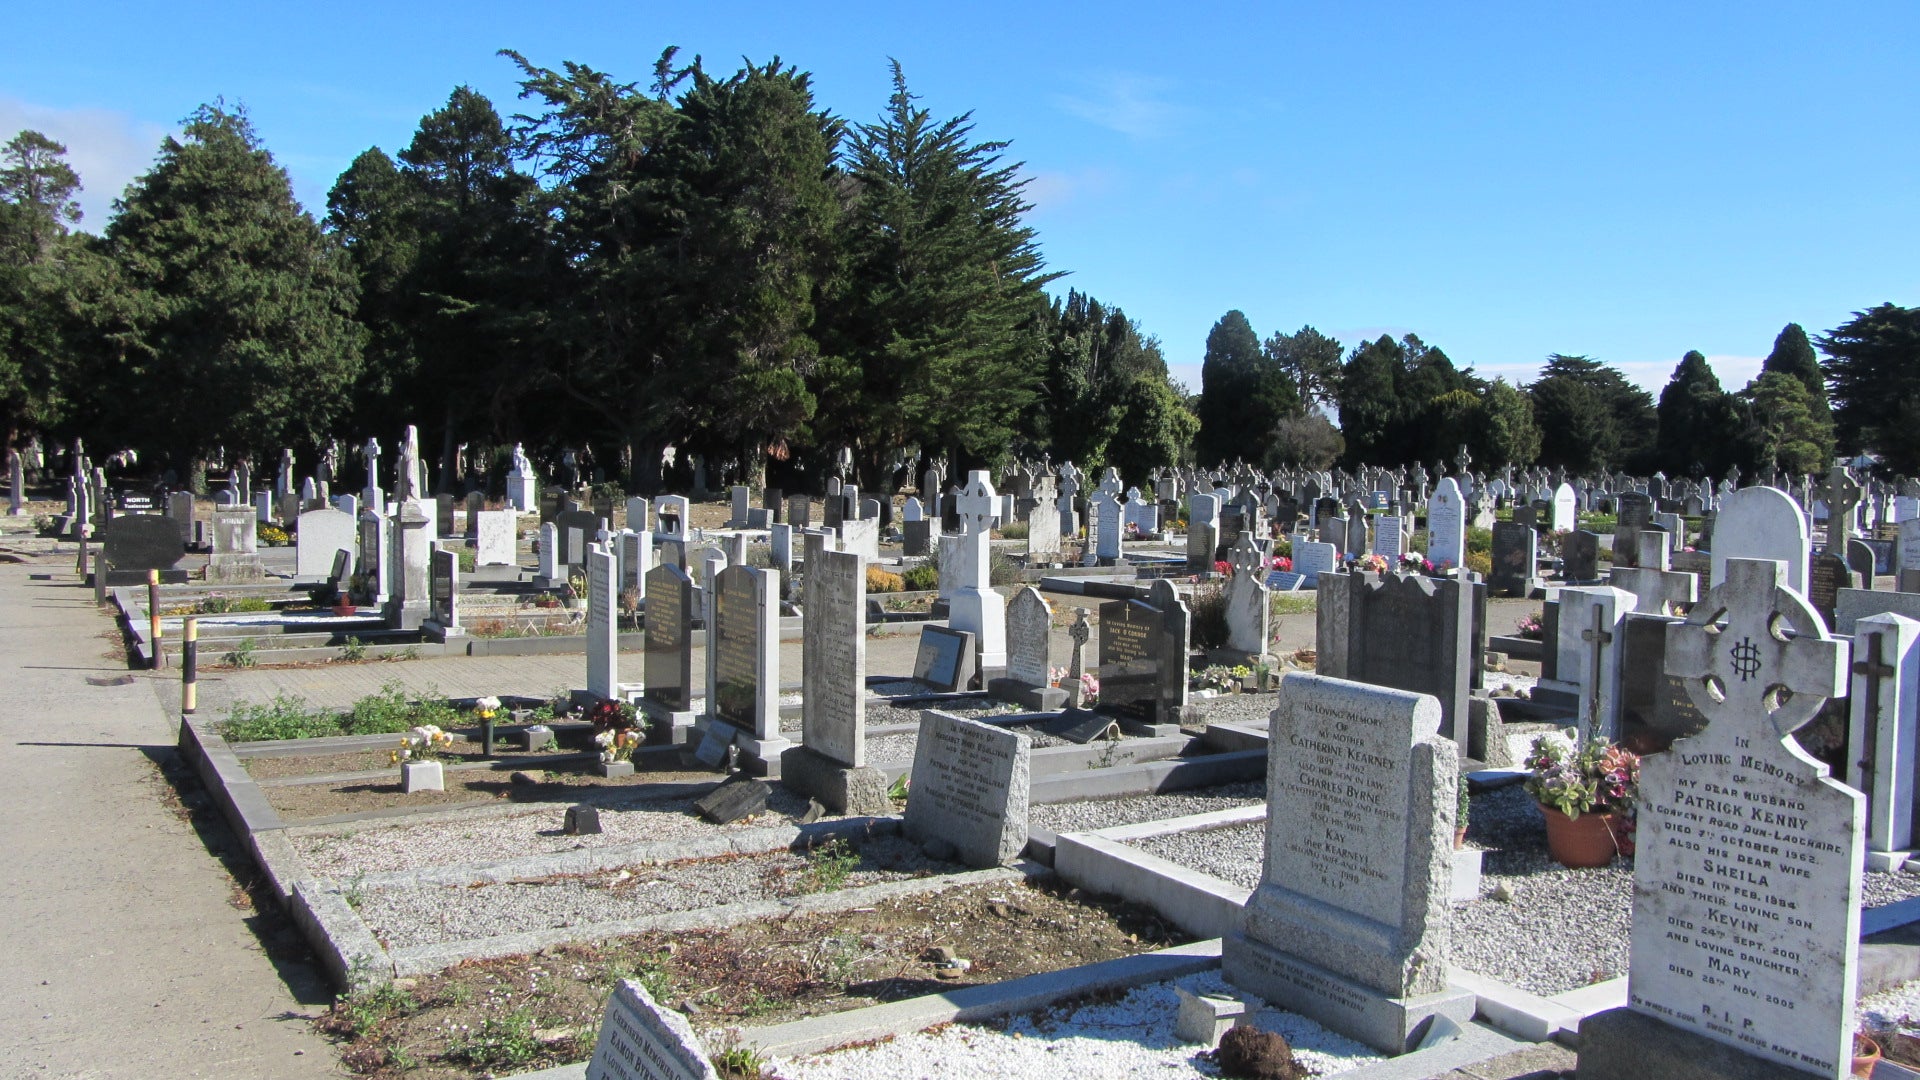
[
  {"x": 1369, "y": 399},
  {"x": 1243, "y": 395},
  {"x": 1095, "y": 357},
  {"x": 238, "y": 322},
  {"x": 1696, "y": 421},
  {"x": 372, "y": 212},
  {"x": 1311, "y": 360},
  {"x": 39, "y": 263},
  {"x": 1591, "y": 417},
  {"x": 1874, "y": 374},
  {"x": 1509, "y": 435},
  {"x": 1793, "y": 355},
  {"x": 1784, "y": 426},
  {"x": 939, "y": 344}
]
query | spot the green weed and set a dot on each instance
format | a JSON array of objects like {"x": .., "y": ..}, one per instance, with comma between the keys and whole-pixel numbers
[
  {"x": 284, "y": 717},
  {"x": 499, "y": 1042}
]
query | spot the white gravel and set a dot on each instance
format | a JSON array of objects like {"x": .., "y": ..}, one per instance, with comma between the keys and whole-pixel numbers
[
  {"x": 1236, "y": 853},
  {"x": 1105, "y": 813},
  {"x": 540, "y": 830},
  {"x": 429, "y": 914},
  {"x": 1131, "y": 1037}
]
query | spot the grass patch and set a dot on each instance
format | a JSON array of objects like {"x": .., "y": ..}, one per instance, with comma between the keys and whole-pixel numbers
[
  {"x": 1294, "y": 603},
  {"x": 381, "y": 713}
]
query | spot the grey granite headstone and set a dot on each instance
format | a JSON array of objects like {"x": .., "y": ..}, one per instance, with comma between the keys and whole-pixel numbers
[
  {"x": 969, "y": 789},
  {"x": 668, "y": 671},
  {"x": 941, "y": 662},
  {"x": 603, "y": 634},
  {"x": 1352, "y": 920},
  {"x": 642, "y": 1040},
  {"x": 831, "y": 764}
]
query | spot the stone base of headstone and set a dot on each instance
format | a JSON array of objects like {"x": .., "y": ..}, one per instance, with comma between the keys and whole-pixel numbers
[
  {"x": 1888, "y": 862},
  {"x": 758, "y": 757},
  {"x": 404, "y": 616},
  {"x": 1486, "y": 733},
  {"x": 1031, "y": 698},
  {"x": 611, "y": 769},
  {"x": 235, "y": 569},
  {"x": 433, "y": 631},
  {"x": 668, "y": 727},
  {"x": 540, "y": 581},
  {"x": 1142, "y": 729},
  {"x": 840, "y": 788},
  {"x": 1621, "y": 1044},
  {"x": 1390, "y": 1025}
]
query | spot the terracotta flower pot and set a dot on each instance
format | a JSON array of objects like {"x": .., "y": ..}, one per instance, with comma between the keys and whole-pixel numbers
[
  {"x": 1866, "y": 1054},
  {"x": 1460, "y": 838},
  {"x": 1622, "y": 828},
  {"x": 1582, "y": 841}
]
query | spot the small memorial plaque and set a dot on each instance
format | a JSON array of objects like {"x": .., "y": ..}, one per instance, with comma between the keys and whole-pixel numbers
[
  {"x": 970, "y": 788},
  {"x": 942, "y": 659},
  {"x": 641, "y": 1040}
]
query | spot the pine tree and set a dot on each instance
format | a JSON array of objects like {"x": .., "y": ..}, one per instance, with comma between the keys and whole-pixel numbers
[
  {"x": 39, "y": 263},
  {"x": 1874, "y": 373},
  {"x": 1243, "y": 394},
  {"x": 237, "y": 325},
  {"x": 1590, "y": 416},
  {"x": 1696, "y": 428},
  {"x": 1793, "y": 355}
]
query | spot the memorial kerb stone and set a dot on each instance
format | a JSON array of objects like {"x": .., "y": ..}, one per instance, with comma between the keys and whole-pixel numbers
[
  {"x": 943, "y": 660},
  {"x": 603, "y": 638},
  {"x": 1515, "y": 554},
  {"x": 1747, "y": 877},
  {"x": 134, "y": 544},
  {"x": 1882, "y": 733},
  {"x": 320, "y": 534},
  {"x": 669, "y": 640},
  {"x": 970, "y": 788},
  {"x": 1351, "y": 923},
  {"x": 642, "y": 1040}
]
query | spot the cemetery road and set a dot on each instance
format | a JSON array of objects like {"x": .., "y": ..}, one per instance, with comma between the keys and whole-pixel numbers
[{"x": 124, "y": 956}]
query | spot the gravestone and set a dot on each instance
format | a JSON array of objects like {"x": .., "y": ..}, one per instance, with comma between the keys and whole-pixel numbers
[
  {"x": 1746, "y": 914},
  {"x": 673, "y": 518},
  {"x": 1029, "y": 678},
  {"x": 1203, "y": 533},
  {"x": 1589, "y": 653},
  {"x": 1653, "y": 706},
  {"x": 407, "y": 563},
  {"x": 1516, "y": 552},
  {"x": 831, "y": 762},
  {"x": 742, "y": 503},
  {"x": 133, "y": 544},
  {"x": 800, "y": 512},
  {"x": 743, "y": 650},
  {"x": 551, "y": 572},
  {"x": 1311, "y": 559},
  {"x": 1043, "y": 534},
  {"x": 1143, "y": 656},
  {"x": 1351, "y": 923},
  {"x": 372, "y": 564},
  {"x": 1406, "y": 631},
  {"x": 603, "y": 636},
  {"x": 236, "y": 552},
  {"x": 1884, "y": 725},
  {"x": 1580, "y": 558},
  {"x": 642, "y": 1040},
  {"x": 916, "y": 538},
  {"x": 974, "y": 605},
  {"x": 494, "y": 540},
  {"x": 443, "y": 596},
  {"x": 1446, "y": 526},
  {"x": 969, "y": 790},
  {"x": 1761, "y": 523},
  {"x": 1249, "y": 614},
  {"x": 636, "y": 558},
  {"x": 943, "y": 660},
  {"x": 475, "y": 506},
  {"x": 1635, "y": 513},
  {"x": 180, "y": 512},
  {"x": 321, "y": 533},
  {"x": 668, "y": 664},
  {"x": 575, "y": 529},
  {"x": 861, "y": 536},
  {"x": 443, "y": 515},
  {"x": 1389, "y": 539},
  {"x": 1566, "y": 507}
]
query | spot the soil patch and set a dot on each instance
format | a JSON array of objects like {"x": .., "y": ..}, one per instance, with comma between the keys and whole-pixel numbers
[
  {"x": 520, "y": 1013},
  {"x": 463, "y": 750}
]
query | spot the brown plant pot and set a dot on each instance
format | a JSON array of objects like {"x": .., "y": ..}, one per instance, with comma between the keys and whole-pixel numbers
[
  {"x": 1622, "y": 828},
  {"x": 1584, "y": 841},
  {"x": 1866, "y": 1055},
  {"x": 344, "y": 610},
  {"x": 1460, "y": 838}
]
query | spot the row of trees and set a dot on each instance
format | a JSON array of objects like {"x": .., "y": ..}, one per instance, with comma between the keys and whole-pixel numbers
[
  {"x": 716, "y": 263},
  {"x": 1401, "y": 401},
  {"x": 713, "y": 263}
]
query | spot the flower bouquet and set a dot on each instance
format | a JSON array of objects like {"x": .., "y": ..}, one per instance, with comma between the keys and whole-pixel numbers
[
  {"x": 418, "y": 756},
  {"x": 1586, "y": 791}
]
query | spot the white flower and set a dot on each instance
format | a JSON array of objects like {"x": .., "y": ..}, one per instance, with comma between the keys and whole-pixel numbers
[
  {"x": 491, "y": 704},
  {"x": 604, "y": 739}
]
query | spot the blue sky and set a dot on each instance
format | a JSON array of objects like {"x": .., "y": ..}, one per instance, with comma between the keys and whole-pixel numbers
[{"x": 1628, "y": 181}]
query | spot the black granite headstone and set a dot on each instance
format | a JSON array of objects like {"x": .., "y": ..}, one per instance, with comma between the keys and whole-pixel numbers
[{"x": 737, "y": 798}]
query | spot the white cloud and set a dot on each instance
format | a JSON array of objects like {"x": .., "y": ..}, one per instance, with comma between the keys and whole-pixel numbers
[
  {"x": 107, "y": 148},
  {"x": 1128, "y": 104}
]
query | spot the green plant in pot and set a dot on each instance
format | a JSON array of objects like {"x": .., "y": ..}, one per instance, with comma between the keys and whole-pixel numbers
[{"x": 1586, "y": 792}]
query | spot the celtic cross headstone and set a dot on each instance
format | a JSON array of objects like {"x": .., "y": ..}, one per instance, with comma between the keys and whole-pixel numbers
[{"x": 1746, "y": 917}]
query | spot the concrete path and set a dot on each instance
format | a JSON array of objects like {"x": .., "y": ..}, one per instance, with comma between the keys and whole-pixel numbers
[{"x": 124, "y": 953}]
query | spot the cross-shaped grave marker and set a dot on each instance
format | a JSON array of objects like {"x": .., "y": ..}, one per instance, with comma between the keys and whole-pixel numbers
[
  {"x": 1869, "y": 663},
  {"x": 1080, "y": 632},
  {"x": 1841, "y": 493},
  {"x": 1656, "y": 587}
]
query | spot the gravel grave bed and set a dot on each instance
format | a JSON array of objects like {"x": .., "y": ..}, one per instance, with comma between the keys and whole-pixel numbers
[
  {"x": 1131, "y": 1036},
  {"x": 380, "y": 848},
  {"x": 408, "y": 916},
  {"x": 1235, "y": 853},
  {"x": 1561, "y": 929},
  {"x": 1253, "y": 710},
  {"x": 1094, "y": 814}
]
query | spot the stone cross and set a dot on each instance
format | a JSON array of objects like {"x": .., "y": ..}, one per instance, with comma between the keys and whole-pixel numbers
[
  {"x": 1739, "y": 668},
  {"x": 1462, "y": 460},
  {"x": 1870, "y": 664},
  {"x": 1079, "y": 633},
  {"x": 1841, "y": 493},
  {"x": 977, "y": 504},
  {"x": 1598, "y": 638}
]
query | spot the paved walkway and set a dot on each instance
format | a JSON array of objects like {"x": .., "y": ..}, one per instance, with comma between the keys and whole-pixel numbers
[{"x": 124, "y": 956}]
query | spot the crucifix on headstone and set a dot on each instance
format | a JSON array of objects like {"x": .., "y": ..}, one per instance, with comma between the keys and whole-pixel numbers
[
  {"x": 1598, "y": 638},
  {"x": 1080, "y": 632},
  {"x": 1461, "y": 460},
  {"x": 1875, "y": 668}
]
